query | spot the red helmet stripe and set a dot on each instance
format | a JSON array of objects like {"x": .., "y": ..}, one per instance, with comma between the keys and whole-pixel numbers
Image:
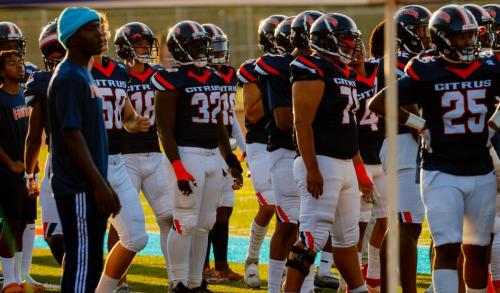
[
  {"x": 464, "y": 16},
  {"x": 193, "y": 27},
  {"x": 50, "y": 38}
]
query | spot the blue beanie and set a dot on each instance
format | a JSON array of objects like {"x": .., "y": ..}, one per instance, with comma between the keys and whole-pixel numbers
[{"x": 72, "y": 19}]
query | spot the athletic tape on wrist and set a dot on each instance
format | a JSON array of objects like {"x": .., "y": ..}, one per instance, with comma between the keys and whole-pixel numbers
[{"x": 415, "y": 121}]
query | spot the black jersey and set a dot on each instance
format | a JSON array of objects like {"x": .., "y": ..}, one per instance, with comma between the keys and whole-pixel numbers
[
  {"x": 456, "y": 103},
  {"x": 256, "y": 133},
  {"x": 111, "y": 78},
  {"x": 228, "y": 95},
  {"x": 274, "y": 76},
  {"x": 402, "y": 59},
  {"x": 36, "y": 92},
  {"x": 197, "y": 106},
  {"x": 334, "y": 126},
  {"x": 371, "y": 131},
  {"x": 142, "y": 97}
]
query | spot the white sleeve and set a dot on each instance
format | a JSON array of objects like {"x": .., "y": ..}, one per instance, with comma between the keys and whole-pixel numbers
[{"x": 238, "y": 134}]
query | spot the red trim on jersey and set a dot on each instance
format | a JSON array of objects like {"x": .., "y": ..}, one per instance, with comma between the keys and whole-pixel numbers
[
  {"x": 370, "y": 80},
  {"x": 106, "y": 71},
  {"x": 261, "y": 200},
  {"x": 177, "y": 226},
  {"x": 310, "y": 239},
  {"x": 267, "y": 67},
  {"x": 345, "y": 69},
  {"x": 465, "y": 72},
  {"x": 407, "y": 217},
  {"x": 284, "y": 218},
  {"x": 400, "y": 65},
  {"x": 142, "y": 76},
  {"x": 200, "y": 78},
  {"x": 247, "y": 74},
  {"x": 163, "y": 82},
  {"x": 312, "y": 65},
  {"x": 227, "y": 77},
  {"x": 412, "y": 73}
]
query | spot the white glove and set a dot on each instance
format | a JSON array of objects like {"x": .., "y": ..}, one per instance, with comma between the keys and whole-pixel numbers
[
  {"x": 496, "y": 166},
  {"x": 426, "y": 140},
  {"x": 491, "y": 134}
]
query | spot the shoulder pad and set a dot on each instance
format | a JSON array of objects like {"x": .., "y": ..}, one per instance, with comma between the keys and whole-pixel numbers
[
  {"x": 31, "y": 66},
  {"x": 169, "y": 79},
  {"x": 268, "y": 65},
  {"x": 306, "y": 68},
  {"x": 156, "y": 66},
  {"x": 490, "y": 61},
  {"x": 246, "y": 73},
  {"x": 36, "y": 86},
  {"x": 422, "y": 68},
  {"x": 119, "y": 64}
]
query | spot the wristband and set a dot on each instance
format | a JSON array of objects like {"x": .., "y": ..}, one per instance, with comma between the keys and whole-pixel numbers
[
  {"x": 233, "y": 163},
  {"x": 495, "y": 119},
  {"x": 361, "y": 173},
  {"x": 28, "y": 175},
  {"x": 180, "y": 172},
  {"x": 415, "y": 121}
]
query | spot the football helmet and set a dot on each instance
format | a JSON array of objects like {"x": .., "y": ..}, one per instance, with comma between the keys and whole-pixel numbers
[
  {"x": 219, "y": 44},
  {"x": 52, "y": 51},
  {"x": 299, "y": 35},
  {"x": 188, "y": 43},
  {"x": 413, "y": 28},
  {"x": 485, "y": 23},
  {"x": 127, "y": 40},
  {"x": 266, "y": 33},
  {"x": 494, "y": 12},
  {"x": 447, "y": 25},
  {"x": 336, "y": 34},
  {"x": 282, "y": 36},
  {"x": 11, "y": 32}
]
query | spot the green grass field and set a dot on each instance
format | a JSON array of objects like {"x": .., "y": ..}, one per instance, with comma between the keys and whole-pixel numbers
[{"x": 148, "y": 273}]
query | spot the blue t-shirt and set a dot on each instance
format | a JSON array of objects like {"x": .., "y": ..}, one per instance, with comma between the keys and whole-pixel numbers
[
  {"x": 73, "y": 104},
  {"x": 14, "y": 115}
]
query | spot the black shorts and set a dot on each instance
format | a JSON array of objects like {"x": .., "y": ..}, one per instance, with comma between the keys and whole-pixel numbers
[{"x": 14, "y": 201}]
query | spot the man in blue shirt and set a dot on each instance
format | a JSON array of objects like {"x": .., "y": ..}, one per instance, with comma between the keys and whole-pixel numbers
[{"x": 79, "y": 150}]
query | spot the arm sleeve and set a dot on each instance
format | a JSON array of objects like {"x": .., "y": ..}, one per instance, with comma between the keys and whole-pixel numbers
[
  {"x": 238, "y": 134},
  {"x": 69, "y": 99}
]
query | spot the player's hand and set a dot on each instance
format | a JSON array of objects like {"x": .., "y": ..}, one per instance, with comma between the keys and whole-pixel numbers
[
  {"x": 17, "y": 167},
  {"x": 366, "y": 188},
  {"x": 491, "y": 133},
  {"x": 107, "y": 200},
  {"x": 32, "y": 187},
  {"x": 314, "y": 183},
  {"x": 372, "y": 199},
  {"x": 184, "y": 178},
  {"x": 141, "y": 124},
  {"x": 425, "y": 134},
  {"x": 237, "y": 179}
]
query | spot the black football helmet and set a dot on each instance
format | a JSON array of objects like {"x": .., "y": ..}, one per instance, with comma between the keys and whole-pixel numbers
[
  {"x": 494, "y": 11},
  {"x": 299, "y": 35},
  {"x": 11, "y": 32},
  {"x": 188, "y": 43},
  {"x": 446, "y": 24},
  {"x": 485, "y": 23},
  {"x": 266, "y": 33},
  {"x": 413, "y": 28},
  {"x": 130, "y": 33},
  {"x": 282, "y": 36},
  {"x": 336, "y": 34},
  {"x": 219, "y": 44},
  {"x": 52, "y": 51}
]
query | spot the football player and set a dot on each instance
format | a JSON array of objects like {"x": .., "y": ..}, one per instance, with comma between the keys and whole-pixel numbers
[
  {"x": 257, "y": 116},
  {"x": 324, "y": 101},
  {"x": 146, "y": 166},
  {"x": 193, "y": 135},
  {"x": 274, "y": 76},
  {"x": 111, "y": 78},
  {"x": 371, "y": 133},
  {"x": 219, "y": 235},
  {"x": 412, "y": 38},
  {"x": 456, "y": 92},
  {"x": 36, "y": 97},
  {"x": 485, "y": 24}
]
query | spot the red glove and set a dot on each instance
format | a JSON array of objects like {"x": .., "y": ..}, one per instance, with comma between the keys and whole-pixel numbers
[
  {"x": 361, "y": 174},
  {"x": 180, "y": 172}
]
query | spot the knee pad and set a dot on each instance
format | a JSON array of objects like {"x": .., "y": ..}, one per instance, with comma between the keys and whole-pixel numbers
[
  {"x": 135, "y": 242},
  {"x": 346, "y": 238},
  {"x": 185, "y": 224},
  {"x": 165, "y": 221},
  {"x": 207, "y": 224},
  {"x": 301, "y": 259}
]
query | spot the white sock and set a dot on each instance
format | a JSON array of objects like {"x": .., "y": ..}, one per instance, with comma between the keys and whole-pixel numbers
[
  {"x": 28, "y": 242},
  {"x": 275, "y": 275},
  {"x": 360, "y": 257},
  {"x": 18, "y": 258},
  {"x": 470, "y": 290},
  {"x": 360, "y": 289},
  {"x": 197, "y": 259},
  {"x": 8, "y": 270},
  {"x": 308, "y": 285},
  {"x": 106, "y": 284},
  {"x": 325, "y": 265},
  {"x": 179, "y": 250},
  {"x": 373, "y": 263},
  {"x": 257, "y": 234},
  {"x": 445, "y": 281},
  {"x": 165, "y": 224}
]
